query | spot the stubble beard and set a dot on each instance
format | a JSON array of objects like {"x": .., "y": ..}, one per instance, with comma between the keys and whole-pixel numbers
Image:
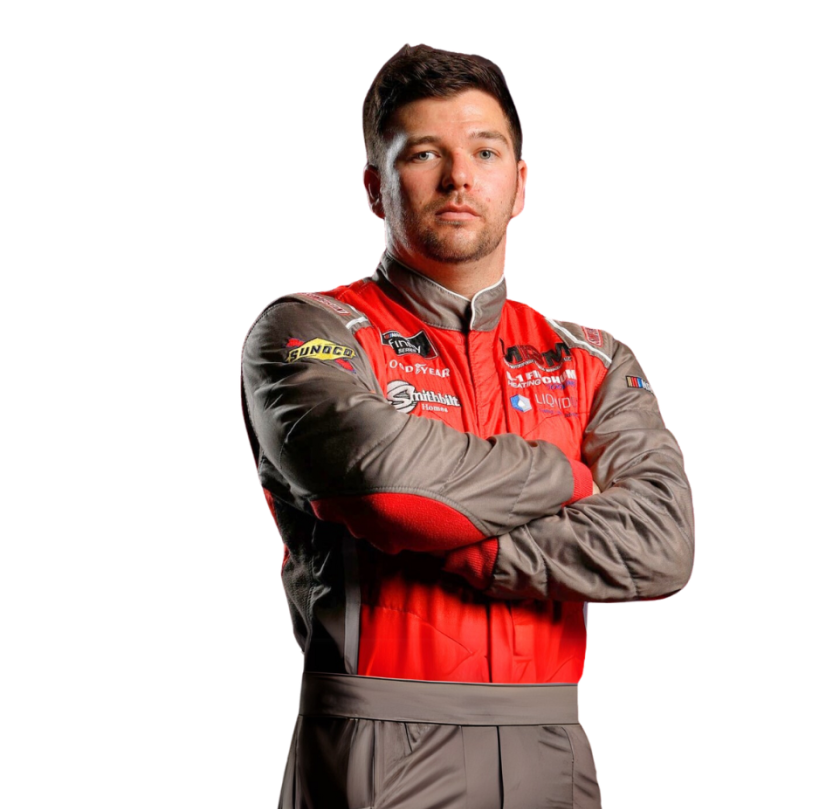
[{"x": 452, "y": 242}]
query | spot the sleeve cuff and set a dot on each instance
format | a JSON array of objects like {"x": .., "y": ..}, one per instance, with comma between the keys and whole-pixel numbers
[
  {"x": 583, "y": 482},
  {"x": 475, "y": 563}
]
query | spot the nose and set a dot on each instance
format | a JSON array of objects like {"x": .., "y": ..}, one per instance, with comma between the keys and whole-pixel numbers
[{"x": 458, "y": 172}]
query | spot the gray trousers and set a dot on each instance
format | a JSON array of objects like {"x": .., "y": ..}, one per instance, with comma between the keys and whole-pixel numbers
[{"x": 375, "y": 743}]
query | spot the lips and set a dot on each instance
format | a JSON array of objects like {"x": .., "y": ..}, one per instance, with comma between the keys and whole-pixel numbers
[{"x": 456, "y": 213}]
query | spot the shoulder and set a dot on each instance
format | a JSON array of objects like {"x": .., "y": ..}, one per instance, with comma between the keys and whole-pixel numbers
[
  {"x": 596, "y": 342},
  {"x": 313, "y": 325},
  {"x": 326, "y": 309},
  {"x": 597, "y": 352}
]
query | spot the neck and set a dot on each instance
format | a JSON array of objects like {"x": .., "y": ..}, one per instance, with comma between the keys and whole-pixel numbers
[{"x": 465, "y": 278}]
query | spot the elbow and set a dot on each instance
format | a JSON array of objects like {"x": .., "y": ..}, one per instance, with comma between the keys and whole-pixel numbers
[
  {"x": 397, "y": 521},
  {"x": 671, "y": 573},
  {"x": 684, "y": 551},
  {"x": 685, "y": 569}
]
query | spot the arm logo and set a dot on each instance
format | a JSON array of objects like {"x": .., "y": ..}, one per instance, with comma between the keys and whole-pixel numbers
[
  {"x": 593, "y": 336},
  {"x": 638, "y": 382},
  {"x": 320, "y": 349}
]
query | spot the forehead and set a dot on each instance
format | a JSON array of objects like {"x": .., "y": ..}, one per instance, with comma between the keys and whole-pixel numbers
[{"x": 465, "y": 113}]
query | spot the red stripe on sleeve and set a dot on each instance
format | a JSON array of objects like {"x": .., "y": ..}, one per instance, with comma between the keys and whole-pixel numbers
[
  {"x": 396, "y": 522},
  {"x": 583, "y": 482},
  {"x": 475, "y": 563}
]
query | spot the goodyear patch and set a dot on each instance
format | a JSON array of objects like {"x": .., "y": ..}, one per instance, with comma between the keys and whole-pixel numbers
[{"x": 318, "y": 349}]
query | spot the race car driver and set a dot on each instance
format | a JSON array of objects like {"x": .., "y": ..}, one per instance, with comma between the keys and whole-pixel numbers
[{"x": 453, "y": 475}]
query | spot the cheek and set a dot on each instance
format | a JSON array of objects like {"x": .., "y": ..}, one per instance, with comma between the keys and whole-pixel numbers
[{"x": 396, "y": 200}]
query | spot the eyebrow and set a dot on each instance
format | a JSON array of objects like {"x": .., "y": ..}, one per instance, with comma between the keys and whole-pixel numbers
[{"x": 483, "y": 134}]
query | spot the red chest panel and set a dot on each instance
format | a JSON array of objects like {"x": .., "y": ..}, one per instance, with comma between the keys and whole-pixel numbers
[{"x": 416, "y": 621}]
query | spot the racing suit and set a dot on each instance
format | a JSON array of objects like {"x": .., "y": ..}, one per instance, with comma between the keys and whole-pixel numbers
[{"x": 429, "y": 460}]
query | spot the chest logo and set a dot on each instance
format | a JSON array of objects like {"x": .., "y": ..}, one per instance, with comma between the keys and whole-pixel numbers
[
  {"x": 418, "y": 344},
  {"x": 521, "y": 355},
  {"x": 404, "y": 397},
  {"x": 521, "y": 403},
  {"x": 532, "y": 379}
]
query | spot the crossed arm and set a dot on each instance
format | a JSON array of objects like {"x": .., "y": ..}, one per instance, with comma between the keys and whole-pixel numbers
[
  {"x": 633, "y": 541},
  {"x": 514, "y": 514}
]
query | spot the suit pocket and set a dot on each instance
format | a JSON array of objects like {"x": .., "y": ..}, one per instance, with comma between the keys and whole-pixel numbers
[{"x": 418, "y": 765}]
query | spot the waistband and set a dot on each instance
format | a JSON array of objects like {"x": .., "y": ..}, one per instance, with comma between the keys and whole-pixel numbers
[{"x": 439, "y": 703}]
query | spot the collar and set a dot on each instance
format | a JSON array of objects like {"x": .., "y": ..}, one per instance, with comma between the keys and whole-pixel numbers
[{"x": 437, "y": 306}]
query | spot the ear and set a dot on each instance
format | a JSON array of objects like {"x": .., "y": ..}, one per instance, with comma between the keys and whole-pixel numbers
[
  {"x": 372, "y": 182},
  {"x": 518, "y": 205}
]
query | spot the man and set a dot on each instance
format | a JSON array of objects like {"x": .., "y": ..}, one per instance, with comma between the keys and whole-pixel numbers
[{"x": 433, "y": 455}]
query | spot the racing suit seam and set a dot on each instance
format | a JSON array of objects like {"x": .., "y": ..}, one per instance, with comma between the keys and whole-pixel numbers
[
  {"x": 637, "y": 459},
  {"x": 363, "y": 454},
  {"x": 459, "y": 465},
  {"x": 429, "y": 493},
  {"x": 521, "y": 491},
  {"x": 629, "y": 407},
  {"x": 664, "y": 513},
  {"x": 416, "y": 615},
  {"x": 352, "y": 464},
  {"x": 544, "y": 561},
  {"x": 629, "y": 571}
]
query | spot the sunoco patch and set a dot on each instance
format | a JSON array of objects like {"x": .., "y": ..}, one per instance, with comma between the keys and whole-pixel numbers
[{"x": 318, "y": 349}]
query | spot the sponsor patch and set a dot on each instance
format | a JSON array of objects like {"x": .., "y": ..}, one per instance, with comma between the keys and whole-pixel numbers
[
  {"x": 593, "y": 336},
  {"x": 320, "y": 349},
  {"x": 557, "y": 405},
  {"x": 521, "y": 355},
  {"x": 532, "y": 379},
  {"x": 521, "y": 403},
  {"x": 404, "y": 397},
  {"x": 417, "y": 344},
  {"x": 333, "y": 305},
  {"x": 420, "y": 368},
  {"x": 638, "y": 382}
]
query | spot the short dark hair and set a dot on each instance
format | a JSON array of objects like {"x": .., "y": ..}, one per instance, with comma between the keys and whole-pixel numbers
[{"x": 423, "y": 72}]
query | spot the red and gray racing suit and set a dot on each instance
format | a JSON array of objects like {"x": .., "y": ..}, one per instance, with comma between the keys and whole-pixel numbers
[{"x": 429, "y": 460}]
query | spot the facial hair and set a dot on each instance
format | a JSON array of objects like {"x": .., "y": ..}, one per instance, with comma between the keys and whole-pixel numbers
[{"x": 438, "y": 242}]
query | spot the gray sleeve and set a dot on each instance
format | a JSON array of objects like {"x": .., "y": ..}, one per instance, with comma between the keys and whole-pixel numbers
[
  {"x": 634, "y": 540},
  {"x": 342, "y": 452}
]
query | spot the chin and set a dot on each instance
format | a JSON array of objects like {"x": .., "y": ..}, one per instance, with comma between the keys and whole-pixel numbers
[{"x": 456, "y": 248}]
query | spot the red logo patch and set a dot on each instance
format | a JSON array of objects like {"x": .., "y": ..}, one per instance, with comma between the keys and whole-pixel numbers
[
  {"x": 333, "y": 305},
  {"x": 593, "y": 336}
]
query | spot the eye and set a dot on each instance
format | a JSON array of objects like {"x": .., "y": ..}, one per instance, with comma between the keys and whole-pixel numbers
[
  {"x": 485, "y": 154},
  {"x": 423, "y": 157}
]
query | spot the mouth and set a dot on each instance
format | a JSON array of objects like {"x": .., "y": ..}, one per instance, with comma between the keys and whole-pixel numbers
[{"x": 456, "y": 213}]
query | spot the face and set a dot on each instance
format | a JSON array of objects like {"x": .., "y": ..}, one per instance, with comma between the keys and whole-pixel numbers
[{"x": 449, "y": 183}]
